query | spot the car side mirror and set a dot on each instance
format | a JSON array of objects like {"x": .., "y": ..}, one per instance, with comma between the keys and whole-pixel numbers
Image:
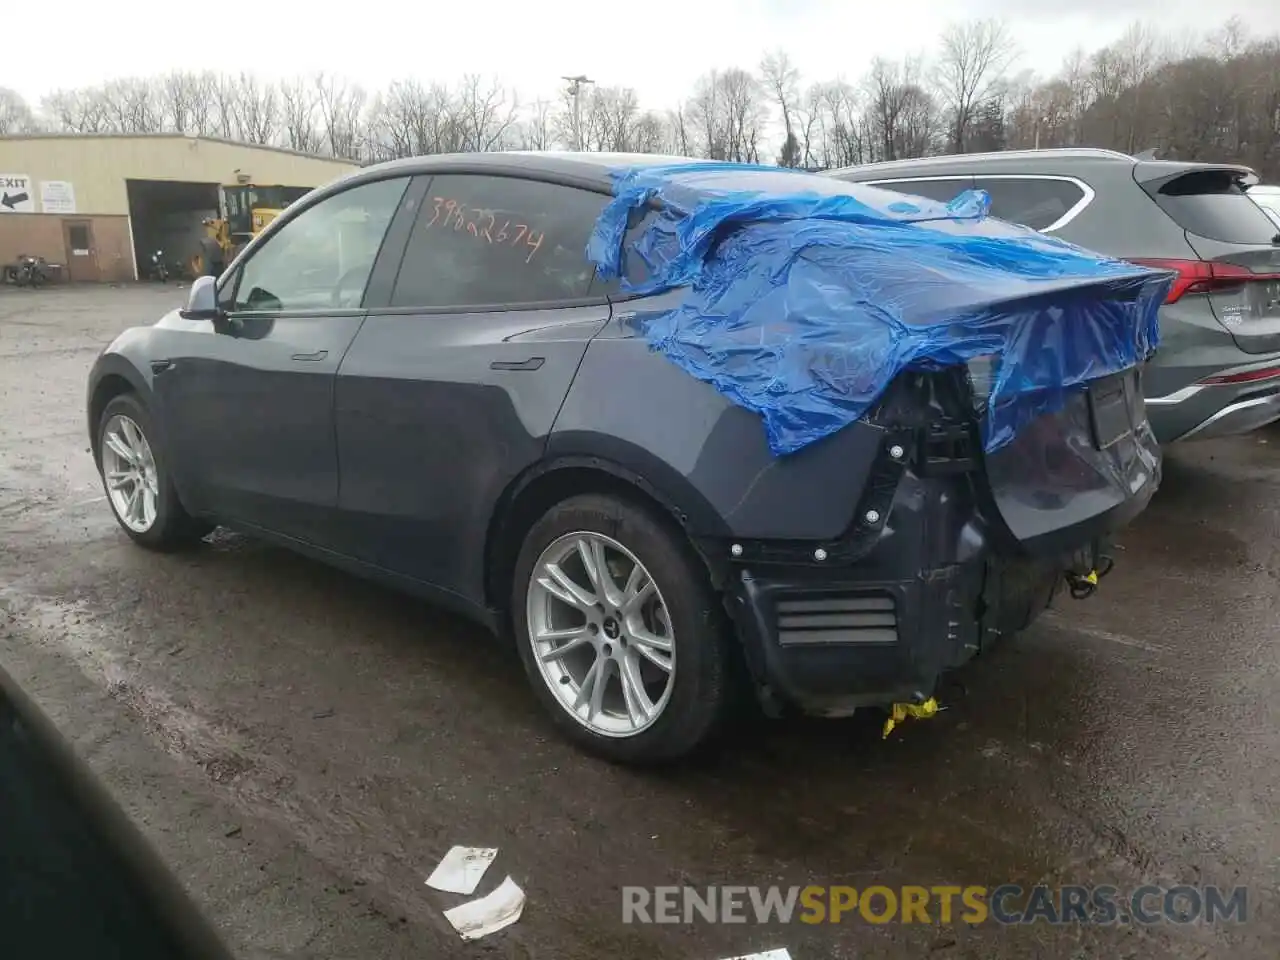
[{"x": 202, "y": 300}]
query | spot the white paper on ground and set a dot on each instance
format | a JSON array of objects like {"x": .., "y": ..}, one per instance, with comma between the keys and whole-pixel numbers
[
  {"x": 462, "y": 869},
  {"x": 782, "y": 954},
  {"x": 489, "y": 914}
]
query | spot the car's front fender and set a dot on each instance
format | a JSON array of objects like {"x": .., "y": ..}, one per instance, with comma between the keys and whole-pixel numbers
[{"x": 122, "y": 367}]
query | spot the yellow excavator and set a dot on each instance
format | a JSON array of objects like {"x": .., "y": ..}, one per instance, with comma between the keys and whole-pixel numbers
[{"x": 247, "y": 209}]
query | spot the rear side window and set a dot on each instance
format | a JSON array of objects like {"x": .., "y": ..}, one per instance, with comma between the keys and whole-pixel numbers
[
  {"x": 1213, "y": 204},
  {"x": 1034, "y": 203},
  {"x": 944, "y": 191},
  {"x": 487, "y": 240}
]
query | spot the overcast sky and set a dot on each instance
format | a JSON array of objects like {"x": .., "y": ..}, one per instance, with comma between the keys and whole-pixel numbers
[{"x": 656, "y": 46}]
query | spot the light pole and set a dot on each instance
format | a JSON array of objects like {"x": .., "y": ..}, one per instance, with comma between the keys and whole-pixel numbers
[{"x": 575, "y": 91}]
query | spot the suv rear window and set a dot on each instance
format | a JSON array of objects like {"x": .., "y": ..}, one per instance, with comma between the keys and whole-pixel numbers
[{"x": 1214, "y": 205}]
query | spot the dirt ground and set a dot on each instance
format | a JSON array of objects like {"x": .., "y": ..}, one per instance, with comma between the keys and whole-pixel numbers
[{"x": 303, "y": 746}]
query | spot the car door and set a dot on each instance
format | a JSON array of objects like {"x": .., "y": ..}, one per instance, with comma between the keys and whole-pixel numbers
[
  {"x": 248, "y": 398},
  {"x": 450, "y": 390}
]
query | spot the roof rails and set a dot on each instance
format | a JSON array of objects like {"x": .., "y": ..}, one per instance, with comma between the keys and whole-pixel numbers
[{"x": 1048, "y": 153}]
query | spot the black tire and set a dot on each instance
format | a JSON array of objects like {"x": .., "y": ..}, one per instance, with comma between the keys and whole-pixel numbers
[
  {"x": 703, "y": 691},
  {"x": 173, "y": 528}
]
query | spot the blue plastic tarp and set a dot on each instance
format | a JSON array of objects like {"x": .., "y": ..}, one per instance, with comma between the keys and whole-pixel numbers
[{"x": 804, "y": 296}]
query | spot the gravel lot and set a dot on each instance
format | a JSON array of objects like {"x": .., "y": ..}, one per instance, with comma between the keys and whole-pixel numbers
[{"x": 303, "y": 746}]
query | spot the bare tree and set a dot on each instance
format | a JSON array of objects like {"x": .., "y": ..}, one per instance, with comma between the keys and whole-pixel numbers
[
  {"x": 133, "y": 105},
  {"x": 16, "y": 115},
  {"x": 78, "y": 111},
  {"x": 887, "y": 92},
  {"x": 1138, "y": 54},
  {"x": 409, "y": 119},
  {"x": 610, "y": 120},
  {"x": 1231, "y": 40},
  {"x": 257, "y": 110},
  {"x": 678, "y": 122},
  {"x": 807, "y": 121},
  {"x": 177, "y": 97},
  {"x": 487, "y": 113},
  {"x": 652, "y": 134},
  {"x": 974, "y": 55},
  {"x": 299, "y": 111},
  {"x": 412, "y": 120},
  {"x": 1215, "y": 99},
  {"x": 728, "y": 113},
  {"x": 781, "y": 79},
  {"x": 902, "y": 115},
  {"x": 224, "y": 97},
  {"x": 537, "y": 131},
  {"x": 205, "y": 85},
  {"x": 841, "y": 137},
  {"x": 341, "y": 107}
]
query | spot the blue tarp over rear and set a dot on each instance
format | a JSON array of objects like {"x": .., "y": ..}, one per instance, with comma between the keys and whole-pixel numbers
[{"x": 805, "y": 295}]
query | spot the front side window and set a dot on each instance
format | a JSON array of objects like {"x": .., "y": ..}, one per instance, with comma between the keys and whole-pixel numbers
[
  {"x": 490, "y": 240},
  {"x": 322, "y": 259}
]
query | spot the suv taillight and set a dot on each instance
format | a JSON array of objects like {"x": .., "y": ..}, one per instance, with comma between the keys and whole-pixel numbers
[{"x": 1202, "y": 276}]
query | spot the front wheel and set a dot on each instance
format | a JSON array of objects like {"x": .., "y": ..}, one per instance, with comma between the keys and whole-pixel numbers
[
  {"x": 620, "y": 632},
  {"x": 135, "y": 476}
]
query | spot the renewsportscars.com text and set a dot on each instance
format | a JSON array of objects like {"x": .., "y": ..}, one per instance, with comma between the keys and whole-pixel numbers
[{"x": 1004, "y": 904}]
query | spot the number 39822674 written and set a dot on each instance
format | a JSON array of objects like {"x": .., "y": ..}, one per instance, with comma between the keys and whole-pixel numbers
[{"x": 449, "y": 214}]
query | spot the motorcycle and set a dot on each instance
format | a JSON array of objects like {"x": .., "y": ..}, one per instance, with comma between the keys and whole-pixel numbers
[
  {"x": 28, "y": 271},
  {"x": 159, "y": 269}
]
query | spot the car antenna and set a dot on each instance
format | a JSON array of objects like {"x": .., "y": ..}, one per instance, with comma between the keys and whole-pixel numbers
[{"x": 1148, "y": 154}]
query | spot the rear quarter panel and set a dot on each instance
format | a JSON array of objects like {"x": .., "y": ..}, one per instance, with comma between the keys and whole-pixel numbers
[{"x": 706, "y": 456}]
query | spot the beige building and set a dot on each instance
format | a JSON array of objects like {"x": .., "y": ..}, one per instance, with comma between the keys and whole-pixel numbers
[{"x": 100, "y": 205}]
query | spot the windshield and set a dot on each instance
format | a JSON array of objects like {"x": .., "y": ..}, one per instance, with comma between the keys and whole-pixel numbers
[{"x": 274, "y": 198}]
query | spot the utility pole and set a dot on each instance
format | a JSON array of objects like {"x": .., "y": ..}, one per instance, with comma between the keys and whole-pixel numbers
[
  {"x": 575, "y": 91},
  {"x": 1039, "y": 120}
]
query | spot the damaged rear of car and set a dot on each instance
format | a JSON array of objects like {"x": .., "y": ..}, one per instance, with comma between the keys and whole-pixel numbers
[{"x": 892, "y": 429}]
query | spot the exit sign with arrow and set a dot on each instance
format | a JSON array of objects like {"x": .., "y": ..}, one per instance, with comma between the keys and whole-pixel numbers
[{"x": 15, "y": 194}]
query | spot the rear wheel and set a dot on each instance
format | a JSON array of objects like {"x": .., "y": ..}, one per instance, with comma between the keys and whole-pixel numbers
[
  {"x": 620, "y": 633},
  {"x": 135, "y": 476}
]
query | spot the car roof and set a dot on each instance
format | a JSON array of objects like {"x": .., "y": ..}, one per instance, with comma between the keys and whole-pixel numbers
[
  {"x": 585, "y": 168},
  {"x": 1056, "y": 161},
  {"x": 1022, "y": 159}
]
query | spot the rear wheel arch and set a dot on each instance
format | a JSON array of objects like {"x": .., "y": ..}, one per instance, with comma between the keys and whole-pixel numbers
[{"x": 544, "y": 485}]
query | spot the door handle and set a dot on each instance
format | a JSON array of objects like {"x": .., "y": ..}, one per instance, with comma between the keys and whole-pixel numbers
[
  {"x": 310, "y": 357},
  {"x": 533, "y": 363}
]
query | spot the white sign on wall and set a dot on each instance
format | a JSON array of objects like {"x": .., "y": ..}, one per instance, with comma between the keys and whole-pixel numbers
[
  {"x": 15, "y": 193},
  {"x": 57, "y": 196}
]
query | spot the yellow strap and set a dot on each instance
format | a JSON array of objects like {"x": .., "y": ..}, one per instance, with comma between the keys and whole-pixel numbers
[{"x": 900, "y": 711}]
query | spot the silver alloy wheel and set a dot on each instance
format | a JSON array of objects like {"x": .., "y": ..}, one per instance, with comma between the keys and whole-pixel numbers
[
  {"x": 601, "y": 634},
  {"x": 129, "y": 472}
]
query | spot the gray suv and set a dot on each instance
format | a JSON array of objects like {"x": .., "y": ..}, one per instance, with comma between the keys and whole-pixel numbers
[{"x": 1217, "y": 372}]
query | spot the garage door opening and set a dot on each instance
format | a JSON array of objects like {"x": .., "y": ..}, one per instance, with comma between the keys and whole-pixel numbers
[{"x": 167, "y": 216}]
